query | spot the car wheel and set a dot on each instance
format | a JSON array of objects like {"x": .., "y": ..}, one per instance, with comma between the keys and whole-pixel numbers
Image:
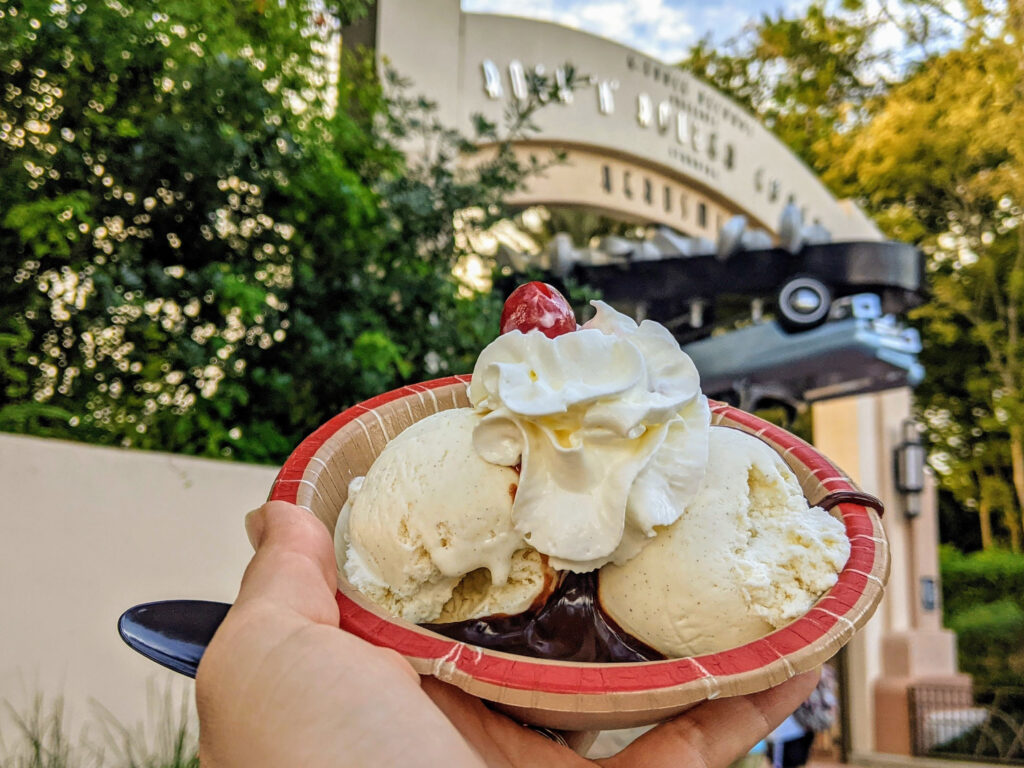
[{"x": 803, "y": 303}]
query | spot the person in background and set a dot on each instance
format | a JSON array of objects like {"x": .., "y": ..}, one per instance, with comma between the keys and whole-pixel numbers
[{"x": 789, "y": 745}]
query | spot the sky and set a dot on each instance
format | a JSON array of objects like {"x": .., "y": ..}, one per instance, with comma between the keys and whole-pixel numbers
[{"x": 664, "y": 29}]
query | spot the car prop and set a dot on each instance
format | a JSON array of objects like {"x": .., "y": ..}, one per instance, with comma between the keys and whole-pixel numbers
[{"x": 816, "y": 319}]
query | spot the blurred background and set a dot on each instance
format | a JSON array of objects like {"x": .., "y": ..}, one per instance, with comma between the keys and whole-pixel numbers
[{"x": 221, "y": 223}]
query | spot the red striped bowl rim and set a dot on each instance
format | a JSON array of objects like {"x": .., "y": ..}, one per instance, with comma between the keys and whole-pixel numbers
[{"x": 798, "y": 645}]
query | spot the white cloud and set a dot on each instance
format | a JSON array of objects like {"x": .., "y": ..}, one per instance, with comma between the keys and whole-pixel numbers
[
  {"x": 655, "y": 27},
  {"x": 545, "y": 10},
  {"x": 666, "y": 29}
]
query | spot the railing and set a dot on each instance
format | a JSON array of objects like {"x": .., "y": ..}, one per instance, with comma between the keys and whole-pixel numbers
[{"x": 954, "y": 722}]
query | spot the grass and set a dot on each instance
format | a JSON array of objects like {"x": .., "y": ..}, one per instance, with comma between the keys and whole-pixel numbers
[{"x": 42, "y": 736}]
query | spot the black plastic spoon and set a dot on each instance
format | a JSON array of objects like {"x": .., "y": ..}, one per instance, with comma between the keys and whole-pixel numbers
[{"x": 173, "y": 633}]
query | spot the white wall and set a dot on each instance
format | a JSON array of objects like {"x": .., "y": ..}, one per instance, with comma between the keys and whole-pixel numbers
[{"x": 86, "y": 533}]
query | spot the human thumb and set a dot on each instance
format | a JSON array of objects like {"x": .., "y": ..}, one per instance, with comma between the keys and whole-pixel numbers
[{"x": 294, "y": 562}]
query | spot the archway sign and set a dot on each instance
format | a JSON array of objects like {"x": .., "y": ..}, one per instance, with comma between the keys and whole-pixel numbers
[{"x": 646, "y": 141}]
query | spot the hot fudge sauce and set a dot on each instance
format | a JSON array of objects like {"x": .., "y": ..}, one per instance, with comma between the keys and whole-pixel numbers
[{"x": 570, "y": 626}]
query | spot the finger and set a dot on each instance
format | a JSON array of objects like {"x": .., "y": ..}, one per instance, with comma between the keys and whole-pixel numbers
[
  {"x": 717, "y": 732},
  {"x": 294, "y": 564},
  {"x": 501, "y": 740}
]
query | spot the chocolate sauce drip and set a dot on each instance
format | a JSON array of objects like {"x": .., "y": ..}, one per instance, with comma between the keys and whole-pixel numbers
[
  {"x": 570, "y": 626},
  {"x": 851, "y": 497}
]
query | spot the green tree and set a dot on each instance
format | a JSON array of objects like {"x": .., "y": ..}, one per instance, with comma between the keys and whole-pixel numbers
[
  {"x": 208, "y": 247},
  {"x": 937, "y": 158},
  {"x": 942, "y": 165},
  {"x": 808, "y": 78},
  {"x": 143, "y": 157}
]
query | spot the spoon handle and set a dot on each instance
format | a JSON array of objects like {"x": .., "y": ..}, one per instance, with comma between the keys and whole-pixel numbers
[{"x": 173, "y": 633}]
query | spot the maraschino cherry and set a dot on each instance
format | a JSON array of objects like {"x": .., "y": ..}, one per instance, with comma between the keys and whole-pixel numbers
[{"x": 537, "y": 306}]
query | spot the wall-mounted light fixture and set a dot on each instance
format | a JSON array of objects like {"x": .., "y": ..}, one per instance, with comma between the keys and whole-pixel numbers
[{"x": 908, "y": 468}]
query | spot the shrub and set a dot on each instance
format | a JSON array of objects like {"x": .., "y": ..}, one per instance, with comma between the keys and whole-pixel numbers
[
  {"x": 210, "y": 249},
  {"x": 977, "y": 578},
  {"x": 983, "y": 593},
  {"x": 991, "y": 642}
]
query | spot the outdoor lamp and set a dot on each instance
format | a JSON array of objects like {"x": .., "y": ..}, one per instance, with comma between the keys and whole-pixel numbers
[{"x": 908, "y": 460}]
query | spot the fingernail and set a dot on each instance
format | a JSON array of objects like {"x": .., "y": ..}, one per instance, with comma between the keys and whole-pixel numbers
[{"x": 254, "y": 527}]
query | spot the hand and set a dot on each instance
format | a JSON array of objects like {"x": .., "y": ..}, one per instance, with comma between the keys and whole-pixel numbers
[{"x": 282, "y": 685}]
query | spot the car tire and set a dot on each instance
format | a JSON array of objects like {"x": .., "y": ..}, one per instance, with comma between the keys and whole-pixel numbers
[{"x": 803, "y": 303}]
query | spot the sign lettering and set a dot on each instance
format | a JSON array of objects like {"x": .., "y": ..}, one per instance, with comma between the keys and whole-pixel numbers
[
  {"x": 606, "y": 96},
  {"x": 644, "y": 110},
  {"x": 664, "y": 116},
  {"x": 562, "y": 83},
  {"x": 517, "y": 75},
  {"x": 492, "y": 80},
  {"x": 695, "y": 116},
  {"x": 631, "y": 184}
]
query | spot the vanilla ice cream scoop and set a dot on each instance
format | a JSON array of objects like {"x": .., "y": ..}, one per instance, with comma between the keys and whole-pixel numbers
[
  {"x": 429, "y": 512},
  {"x": 747, "y": 555}
]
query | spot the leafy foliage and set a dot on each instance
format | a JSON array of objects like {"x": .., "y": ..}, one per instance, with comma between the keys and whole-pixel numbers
[
  {"x": 984, "y": 604},
  {"x": 931, "y": 147},
  {"x": 808, "y": 78},
  {"x": 941, "y": 165},
  {"x": 980, "y": 577},
  {"x": 210, "y": 247}
]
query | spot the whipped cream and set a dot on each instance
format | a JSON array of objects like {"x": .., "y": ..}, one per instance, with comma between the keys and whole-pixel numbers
[{"x": 610, "y": 429}]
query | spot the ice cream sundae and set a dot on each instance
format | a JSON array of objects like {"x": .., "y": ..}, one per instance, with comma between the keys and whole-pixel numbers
[{"x": 583, "y": 508}]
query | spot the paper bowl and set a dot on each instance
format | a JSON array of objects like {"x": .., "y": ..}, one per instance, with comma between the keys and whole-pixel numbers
[{"x": 572, "y": 695}]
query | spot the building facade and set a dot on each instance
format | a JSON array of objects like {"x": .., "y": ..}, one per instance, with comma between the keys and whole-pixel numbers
[{"x": 649, "y": 143}]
